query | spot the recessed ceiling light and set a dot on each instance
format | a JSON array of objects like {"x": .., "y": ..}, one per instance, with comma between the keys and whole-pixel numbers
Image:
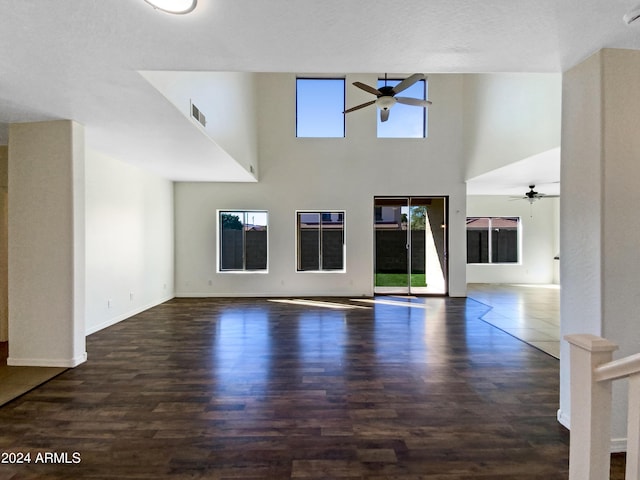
[
  {"x": 173, "y": 6},
  {"x": 631, "y": 16}
]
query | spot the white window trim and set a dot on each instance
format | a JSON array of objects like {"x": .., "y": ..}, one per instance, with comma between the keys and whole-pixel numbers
[
  {"x": 344, "y": 99},
  {"x": 502, "y": 264},
  {"x": 344, "y": 242},
  {"x": 218, "y": 245}
]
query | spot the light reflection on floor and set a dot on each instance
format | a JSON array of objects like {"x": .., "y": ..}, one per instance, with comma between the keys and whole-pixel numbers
[{"x": 315, "y": 303}]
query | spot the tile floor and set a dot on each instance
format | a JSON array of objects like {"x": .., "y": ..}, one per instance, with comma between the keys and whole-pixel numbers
[
  {"x": 530, "y": 313},
  {"x": 15, "y": 381}
]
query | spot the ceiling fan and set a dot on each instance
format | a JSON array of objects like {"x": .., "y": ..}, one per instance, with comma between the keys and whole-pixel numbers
[
  {"x": 386, "y": 96},
  {"x": 532, "y": 195}
]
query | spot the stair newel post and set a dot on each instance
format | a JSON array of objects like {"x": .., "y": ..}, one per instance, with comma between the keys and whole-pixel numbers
[
  {"x": 590, "y": 447},
  {"x": 633, "y": 429}
]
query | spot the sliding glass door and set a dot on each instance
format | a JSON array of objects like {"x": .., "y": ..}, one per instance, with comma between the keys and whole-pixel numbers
[{"x": 410, "y": 245}]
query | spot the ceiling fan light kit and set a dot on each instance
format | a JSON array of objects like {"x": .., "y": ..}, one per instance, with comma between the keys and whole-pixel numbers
[
  {"x": 178, "y": 7},
  {"x": 385, "y": 102},
  {"x": 386, "y": 96}
]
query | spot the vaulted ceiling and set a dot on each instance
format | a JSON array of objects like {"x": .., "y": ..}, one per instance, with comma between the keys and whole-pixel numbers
[{"x": 79, "y": 59}]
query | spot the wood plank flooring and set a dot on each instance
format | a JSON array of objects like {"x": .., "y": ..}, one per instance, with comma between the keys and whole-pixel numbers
[{"x": 253, "y": 389}]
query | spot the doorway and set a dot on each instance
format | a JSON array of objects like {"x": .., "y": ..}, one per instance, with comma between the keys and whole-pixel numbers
[{"x": 410, "y": 238}]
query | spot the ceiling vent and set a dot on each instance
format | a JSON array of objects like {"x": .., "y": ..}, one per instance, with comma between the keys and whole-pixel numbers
[{"x": 198, "y": 115}]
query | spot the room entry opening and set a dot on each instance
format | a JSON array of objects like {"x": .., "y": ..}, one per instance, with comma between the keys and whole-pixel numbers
[{"x": 410, "y": 235}]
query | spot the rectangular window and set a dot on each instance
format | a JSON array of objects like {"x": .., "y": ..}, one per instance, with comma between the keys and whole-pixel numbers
[
  {"x": 242, "y": 240},
  {"x": 320, "y": 241},
  {"x": 319, "y": 107},
  {"x": 493, "y": 239},
  {"x": 405, "y": 121}
]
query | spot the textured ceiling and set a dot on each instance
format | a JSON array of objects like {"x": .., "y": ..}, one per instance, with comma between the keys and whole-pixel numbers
[{"x": 79, "y": 59}]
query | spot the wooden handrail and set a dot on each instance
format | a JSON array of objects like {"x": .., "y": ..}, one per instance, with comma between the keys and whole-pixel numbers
[
  {"x": 617, "y": 368},
  {"x": 592, "y": 371}
]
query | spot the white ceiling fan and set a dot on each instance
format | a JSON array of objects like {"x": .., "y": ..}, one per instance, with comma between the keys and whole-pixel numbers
[{"x": 386, "y": 96}]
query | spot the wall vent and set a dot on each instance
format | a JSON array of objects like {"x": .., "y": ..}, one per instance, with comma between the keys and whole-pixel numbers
[{"x": 198, "y": 115}]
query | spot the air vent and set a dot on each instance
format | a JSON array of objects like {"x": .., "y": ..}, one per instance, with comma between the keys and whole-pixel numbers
[{"x": 198, "y": 115}]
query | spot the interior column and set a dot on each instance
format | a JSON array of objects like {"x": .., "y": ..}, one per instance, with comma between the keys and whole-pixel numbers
[
  {"x": 600, "y": 227},
  {"x": 46, "y": 244}
]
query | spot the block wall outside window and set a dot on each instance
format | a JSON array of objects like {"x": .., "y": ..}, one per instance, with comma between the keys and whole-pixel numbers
[
  {"x": 320, "y": 241},
  {"x": 243, "y": 240},
  {"x": 493, "y": 239}
]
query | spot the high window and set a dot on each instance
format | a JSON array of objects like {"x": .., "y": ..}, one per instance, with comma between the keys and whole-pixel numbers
[
  {"x": 242, "y": 240},
  {"x": 405, "y": 121},
  {"x": 493, "y": 239},
  {"x": 320, "y": 241},
  {"x": 319, "y": 107}
]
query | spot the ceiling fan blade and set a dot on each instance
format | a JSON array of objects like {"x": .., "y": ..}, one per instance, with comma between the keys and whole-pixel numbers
[
  {"x": 416, "y": 102},
  {"x": 384, "y": 115},
  {"x": 358, "y": 107},
  {"x": 407, "y": 82},
  {"x": 367, "y": 88}
]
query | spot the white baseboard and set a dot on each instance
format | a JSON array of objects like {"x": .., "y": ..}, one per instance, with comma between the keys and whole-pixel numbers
[
  {"x": 271, "y": 295},
  {"x": 618, "y": 445},
  {"x": 47, "y": 362},
  {"x": 564, "y": 420},
  {"x": 124, "y": 316}
]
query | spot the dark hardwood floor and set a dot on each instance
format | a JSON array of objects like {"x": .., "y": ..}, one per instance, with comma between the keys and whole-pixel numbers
[
  {"x": 4, "y": 353},
  {"x": 254, "y": 389}
]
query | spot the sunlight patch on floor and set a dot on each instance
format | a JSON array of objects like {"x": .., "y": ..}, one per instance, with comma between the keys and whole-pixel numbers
[
  {"x": 317, "y": 303},
  {"x": 391, "y": 302}
]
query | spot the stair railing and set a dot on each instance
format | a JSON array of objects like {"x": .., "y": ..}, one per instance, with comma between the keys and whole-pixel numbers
[{"x": 592, "y": 372}]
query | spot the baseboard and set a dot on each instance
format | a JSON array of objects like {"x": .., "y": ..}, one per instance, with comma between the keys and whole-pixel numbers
[
  {"x": 124, "y": 316},
  {"x": 618, "y": 445},
  {"x": 47, "y": 362},
  {"x": 271, "y": 295},
  {"x": 564, "y": 420}
]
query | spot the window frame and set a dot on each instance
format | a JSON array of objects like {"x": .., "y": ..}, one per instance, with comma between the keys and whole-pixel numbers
[
  {"x": 490, "y": 240},
  {"x": 425, "y": 113},
  {"x": 320, "y": 268},
  {"x": 344, "y": 100},
  {"x": 219, "y": 241}
]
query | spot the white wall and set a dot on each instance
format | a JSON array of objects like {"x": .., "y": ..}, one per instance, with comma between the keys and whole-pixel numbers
[
  {"x": 307, "y": 173},
  {"x": 46, "y": 244},
  {"x": 4, "y": 212},
  {"x": 620, "y": 224},
  {"x": 228, "y": 100},
  {"x": 580, "y": 213},
  {"x": 509, "y": 117},
  {"x": 539, "y": 240},
  {"x": 600, "y": 232},
  {"x": 129, "y": 240}
]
